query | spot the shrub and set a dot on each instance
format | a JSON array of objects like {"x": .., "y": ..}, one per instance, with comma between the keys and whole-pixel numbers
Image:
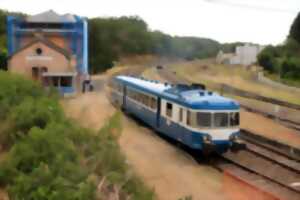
[
  {"x": 14, "y": 89},
  {"x": 46, "y": 165},
  {"x": 291, "y": 68},
  {"x": 29, "y": 113},
  {"x": 267, "y": 59},
  {"x": 51, "y": 157}
]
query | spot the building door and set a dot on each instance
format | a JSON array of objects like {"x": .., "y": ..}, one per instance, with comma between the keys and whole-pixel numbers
[{"x": 35, "y": 73}]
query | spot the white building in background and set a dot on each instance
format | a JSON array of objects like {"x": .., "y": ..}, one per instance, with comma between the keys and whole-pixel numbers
[{"x": 244, "y": 55}]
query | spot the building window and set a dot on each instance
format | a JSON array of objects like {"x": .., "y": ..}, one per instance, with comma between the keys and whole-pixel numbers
[
  {"x": 35, "y": 73},
  {"x": 66, "y": 81},
  {"x": 55, "y": 81},
  {"x": 44, "y": 69},
  {"x": 39, "y": 51},
  {"x": 169, "y": 109}
]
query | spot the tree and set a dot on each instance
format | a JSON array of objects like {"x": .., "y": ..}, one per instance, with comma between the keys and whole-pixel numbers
[
  {"x": 111, "y": 38},
  {"x": 267, "y": 59},
  {"x": 291, "y": 68},
  {"x": 295, "y": 29}
]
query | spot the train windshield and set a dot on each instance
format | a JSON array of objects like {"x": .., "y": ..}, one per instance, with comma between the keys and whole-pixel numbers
[
  {"x": 221, "y": 120},
  {"x": 204, "y": 119},
  {"x": 213, "y": 120},
  {"x": 199, "y": 119}
]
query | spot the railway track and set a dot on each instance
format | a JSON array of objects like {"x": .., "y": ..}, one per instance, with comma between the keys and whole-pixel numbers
[
  {"x": 269, "y": 165},
  {"x": 175, "y": 79},
  {"x": 265, "y": 167},
  {"x": 270, "y": 174}
]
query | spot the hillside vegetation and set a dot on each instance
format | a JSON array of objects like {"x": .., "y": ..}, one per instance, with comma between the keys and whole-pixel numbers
[
  {"x": 44, "y": 155},
  {"x": 283, "y": 61},
  {"x": 113, "y": 38}
]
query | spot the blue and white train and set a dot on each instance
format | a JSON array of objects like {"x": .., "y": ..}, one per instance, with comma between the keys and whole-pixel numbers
[{"x": 198, "y": 118}]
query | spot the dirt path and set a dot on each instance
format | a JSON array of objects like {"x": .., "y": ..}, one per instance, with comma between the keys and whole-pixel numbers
[
  {"x": 171, "y": 172},
  {"x": 92, "y": 109}
]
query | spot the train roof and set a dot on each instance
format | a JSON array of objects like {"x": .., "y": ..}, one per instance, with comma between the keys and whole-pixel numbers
[{"x": 187, "y": 95}]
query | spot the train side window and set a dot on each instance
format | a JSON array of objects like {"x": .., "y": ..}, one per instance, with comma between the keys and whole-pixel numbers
[
  {"x": 188, "y": 117},
  {"x": 153, "y": 103},
  {"x": 148, "y": 102},
  {"x": 169, "y": 109},
  {"x": 138, "y": 97},
  {"x": 180, "y": 114}
]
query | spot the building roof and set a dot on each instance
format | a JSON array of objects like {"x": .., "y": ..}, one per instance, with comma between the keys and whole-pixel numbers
[
  {"x": 51, "y": 16},
  {"x": 46, "y": 42},
  {"x": 187, "y": 96}
]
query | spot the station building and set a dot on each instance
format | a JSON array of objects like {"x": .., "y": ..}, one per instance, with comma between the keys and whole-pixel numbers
[{"x": 49, "y": 48}]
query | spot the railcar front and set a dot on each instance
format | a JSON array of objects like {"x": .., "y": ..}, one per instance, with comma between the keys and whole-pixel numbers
[
  {"x": 218, "y": 129},
  {"x": 200, "y": 119}
]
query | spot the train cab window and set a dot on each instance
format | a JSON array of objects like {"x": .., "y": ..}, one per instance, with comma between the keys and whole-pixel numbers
[
  {"x": 221, "y": 119},
  {"x": 204, "y": 119},
  {"x": 234, "y": 119},
  {"x": 169, "y": 109}
]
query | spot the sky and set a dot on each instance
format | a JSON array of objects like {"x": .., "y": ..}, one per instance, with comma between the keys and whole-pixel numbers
[{"x": 257, "y": 21}]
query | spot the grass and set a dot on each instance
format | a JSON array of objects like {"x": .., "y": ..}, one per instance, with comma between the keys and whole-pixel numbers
[
  {"x": 288, "y": 82},
  {"x": 117, "y": 171},
  {"x": 236, "y": 76}
]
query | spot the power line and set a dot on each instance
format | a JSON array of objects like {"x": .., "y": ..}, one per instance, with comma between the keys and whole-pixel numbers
[{"x": 250, "y": 6}]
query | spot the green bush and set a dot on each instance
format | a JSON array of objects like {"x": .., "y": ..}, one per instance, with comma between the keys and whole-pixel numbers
[
  {"x": 268, "y": 59},
  {"x": 46, "y": 165},
  {"x": 51, "y": 157},
  {"x": 28, "y": 114},
  {"x": 14, "y": 89},
  {"x": 291, "y": 68}
]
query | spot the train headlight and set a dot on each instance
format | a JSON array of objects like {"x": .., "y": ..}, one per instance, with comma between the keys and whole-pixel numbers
[
  {"x": 207, "y": 138},
  {"x": 234, "y": 137}
]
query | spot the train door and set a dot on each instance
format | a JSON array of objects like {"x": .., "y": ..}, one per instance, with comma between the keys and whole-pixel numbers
[
  {"x": 182, "y": 116},
  {"x": 158, "y": 112}
]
